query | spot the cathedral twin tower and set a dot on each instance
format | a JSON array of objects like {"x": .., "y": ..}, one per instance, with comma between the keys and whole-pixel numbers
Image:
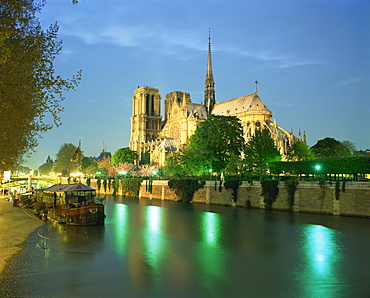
[{"x": 150, "y": 134}]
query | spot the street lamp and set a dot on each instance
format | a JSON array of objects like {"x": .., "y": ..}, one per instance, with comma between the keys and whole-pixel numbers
[
  {"x": 318, "y": 168},
  {"x": 210, "y": 173}
]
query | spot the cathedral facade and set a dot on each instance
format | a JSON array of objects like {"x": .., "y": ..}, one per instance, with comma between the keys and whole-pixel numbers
[{"x": 150, "y": 133}]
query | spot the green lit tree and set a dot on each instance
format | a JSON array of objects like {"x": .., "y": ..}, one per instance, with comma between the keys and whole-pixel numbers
[
  {"x": 189, "y": 163},
  {"x": 29, "y": 88},
  {"x": 330, "y": 148},
  {"x": 260, "y": 152},
  {"x": 299, "y": 151},
  {"x": 175, "y": 165},
  {"x": 213, "y": 144},
  {"x": 124, "y": 155}
]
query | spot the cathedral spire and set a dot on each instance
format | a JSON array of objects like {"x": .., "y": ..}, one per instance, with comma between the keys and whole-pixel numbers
[{"x": 209, "y": 92}]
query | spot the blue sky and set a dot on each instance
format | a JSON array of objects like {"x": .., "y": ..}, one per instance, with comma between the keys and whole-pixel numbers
[{"x": 311, "y": 59}]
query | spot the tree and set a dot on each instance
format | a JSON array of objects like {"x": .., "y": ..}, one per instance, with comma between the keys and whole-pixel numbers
[
  {"x": 351, "y": 147},
  {"x": 29, "y": 89},
  {"x": 299, "y": 151},
  {"x": 124, "y": 155},
  {"x": 214, "y": 142},
  {"x": 64, "y": 164},
  {"x": 189, "y": 162},
  {"x": 46, "y": 168},
  {"x": 261, "y": 152},
  {"x": 236, "y": 166},
  {"x": 88, "y": 166},
  {"x": 104, "y": 166},
  {"x": 330, "y": 148}
]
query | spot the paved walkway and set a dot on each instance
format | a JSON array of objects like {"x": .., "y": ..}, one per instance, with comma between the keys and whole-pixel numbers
[{"x": 15, "y": 226}]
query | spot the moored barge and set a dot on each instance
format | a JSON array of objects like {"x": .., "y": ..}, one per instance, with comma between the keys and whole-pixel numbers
[{"x": 73, "y": 204}]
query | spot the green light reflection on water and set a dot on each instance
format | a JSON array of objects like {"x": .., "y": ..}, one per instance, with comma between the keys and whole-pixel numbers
[
  {"x": 210, "y": 228},
  {"x": 212, "y": 258},
  {"x": 322, "y": 254},
  {"x": 154, "y": 241},
  {"x": 121, "y": 228}
]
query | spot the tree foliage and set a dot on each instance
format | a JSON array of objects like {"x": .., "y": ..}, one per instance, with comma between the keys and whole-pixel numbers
[
  {"x": 104, "y": 166},
  {"x": 330, "y": 147},
  {"x": 88, "y": 166},
  {"x": 214, "y": 142},
  {"x": 29, "y": 89},
  {"x": 299, "y": 151},
  {"x": 346, "y": 165},
  {"x": 270, "y": 191},
  {"x": 131, "y": 186},
  {"x": 350, "y": 146},
  {"x": 64, "y": 164},
  {"x": 124, "y": 155},
  {"x": 261, "y": 151},
  {"x": 175, "y": 165},
  {"x": 233, "y": 185},
  {"x": 45, "y": 169}
]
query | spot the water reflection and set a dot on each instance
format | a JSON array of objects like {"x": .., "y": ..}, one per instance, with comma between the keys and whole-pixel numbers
[
  {"x": 211, "y": 225},
  {"x": 184, "y": 250},
  {"x": 121, "y": 228},
  {"x": 154, "y": 240},
  {"x": 211, "y": 256},
  {"x": 321, "y": 248}
]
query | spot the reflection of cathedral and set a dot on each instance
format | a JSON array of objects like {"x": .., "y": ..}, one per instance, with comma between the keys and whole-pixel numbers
[{"x": 149, "y": 133}]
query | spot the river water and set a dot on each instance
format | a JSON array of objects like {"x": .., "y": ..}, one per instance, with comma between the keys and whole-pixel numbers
[{"x": 150, "y": 248}]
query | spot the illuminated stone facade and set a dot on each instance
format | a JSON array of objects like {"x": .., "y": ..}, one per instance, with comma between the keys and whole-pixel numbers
[{"x": 149, "y": 133}]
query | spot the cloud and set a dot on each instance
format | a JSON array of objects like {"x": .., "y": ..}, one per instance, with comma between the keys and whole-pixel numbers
[
  {"x": 349, "y": 81},
  {"x": 121, "y": 31}
]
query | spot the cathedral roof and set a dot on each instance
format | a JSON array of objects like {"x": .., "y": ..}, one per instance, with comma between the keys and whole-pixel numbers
[
  {"x": 245, "y": 103},
  {"x": 197, "y": 110},
  {"x": 168, "y": 144}
]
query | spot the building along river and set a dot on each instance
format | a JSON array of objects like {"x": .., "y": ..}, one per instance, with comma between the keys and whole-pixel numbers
[{"x": 153, "y": 248}]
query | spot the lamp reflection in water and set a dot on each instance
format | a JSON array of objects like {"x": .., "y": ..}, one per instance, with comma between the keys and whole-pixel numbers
[
  {"x": 212, "y": 258},
  {"x": 322, "y": 252},
  {"x": 121, "y": 228},
  {"x": 154, "y": 239}
]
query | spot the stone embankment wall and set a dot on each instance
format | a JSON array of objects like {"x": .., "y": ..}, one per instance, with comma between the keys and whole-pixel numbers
[{"x": 350, "y": 199}]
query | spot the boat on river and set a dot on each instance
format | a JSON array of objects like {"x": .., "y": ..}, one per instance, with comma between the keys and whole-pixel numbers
[{"x": 73, "y": 204}]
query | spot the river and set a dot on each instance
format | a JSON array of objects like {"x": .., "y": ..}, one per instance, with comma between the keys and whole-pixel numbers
[{"x": 150, "y": 248}]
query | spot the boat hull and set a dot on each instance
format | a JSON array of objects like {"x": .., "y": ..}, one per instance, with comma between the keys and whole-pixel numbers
[{"x": 91, "y": 214}]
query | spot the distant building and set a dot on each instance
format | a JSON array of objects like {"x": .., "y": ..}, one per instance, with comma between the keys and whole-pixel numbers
[
  {"x": 49, "y": 160},
  {"x": 150, "y": 133},
  {"x": 103, "y": 155},
  {"x": 365, "y": 152}
]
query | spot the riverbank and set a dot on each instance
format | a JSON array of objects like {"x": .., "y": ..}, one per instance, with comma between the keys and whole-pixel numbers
[
  {"x": 340, "y": 198},
  {"x": 15, "y": 226}
]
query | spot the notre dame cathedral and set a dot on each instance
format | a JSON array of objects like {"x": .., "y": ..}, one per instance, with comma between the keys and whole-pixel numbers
[{"x": 150, "y": 133}]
